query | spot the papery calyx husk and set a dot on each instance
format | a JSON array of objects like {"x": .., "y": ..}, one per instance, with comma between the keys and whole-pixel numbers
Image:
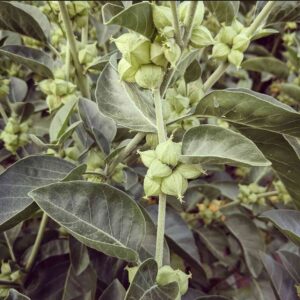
[
  {"x": 157, "y": 55},
  {"x": 174, "y": 185},
  {"x": 241, "y": 42},
  {"x": 166, "y": 275},
  {"x": 183, "y": 12},
  {"x": 237, "y": 26},
  {"x": 226, "y": 35},
  {"x": 190, "y": 171},
  {"x": 220, "y": 51},
  {"x": 169, "y": 152},
  {"x": 162, "y": 16},
  {"x": 147, "y": 157},
  {"x": 126, "y": 70},
  {"x": 149, "y": 76},
  {"x": 201, "y": 37},
  {"x": 236, "y": 57},
  {"x": 88, "y": 53},
  {"x": 158, "y": 169},
  {"x": 152, "y": 186},
  {"x": 172, "y": 51}
]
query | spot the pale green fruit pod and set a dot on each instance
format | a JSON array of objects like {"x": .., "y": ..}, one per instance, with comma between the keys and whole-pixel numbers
[
  {"x": 53, "y": 102},
  {"x": 62, "y": 87},
  {"x": 190, "y": 171},
  {"x": 118, "y": 175},
  {"x": 226, "y": 35},
  {"x": 158, "y": 169},
  {"x": 190, "y": 123},
  {"x": 147, "y": 157},
  {"x": 125, "y": 41},
  {"x": 220, "y": 51},
  {"x": 126, "y": 70},
  {"x": 162, "y": 16},
  {"x": 169, "y": 152},
  {"x": 152, "y": 186},
  {"x": 152, "y": 140},
  {"x": 167, "y": 275},
  {"x": 180, "y": 102},
  {"x": 12, "y": 126},
  {"x": 149, "y": 76},
  {"x": 174, "y": 185},
  {"x": 241, "y": 42},
  {"x": 183, "y": 13},
  {"x": 201, "y": 37},
  {"x": 237, "y": 26},
  {"x": 95, "y": 159},
  {"x": 88, "y": 54},
  {"x": 139, "y": 53},
  {"x": 72, "y": 153},
  {"x": 168, "y": 32},
  {"x": 157, "y": 55},
  {"x": 172, "y": 51},
  {"x": 46, "y": 86},
  {"x": 236, "y": 57}
]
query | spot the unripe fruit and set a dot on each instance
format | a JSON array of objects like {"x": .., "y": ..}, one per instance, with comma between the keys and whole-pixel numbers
[
  {"x": 189, "y": 171},
  {"x": 226, "y": 35},
  {"x": 162, "y": 16},
  {"x": 125, "y": 41},
  {"x": 172, "y": 51},
  {"x": 149, "y": 76},
  {"x": 147, "y": 157},
  {"x": 158, "y": 169},
  {"x": 237, "y": 26},
  {"x": 236, "y": 57},
  {"x": 220, "y": 51},
  {"x": 126, "y": 70},
  {"x": 168, "y": 152},
  {"x": 157, "y": 55},
  {"x": 180, "y": 102},
  {"x": 88, "y": 54},
  {"x": 45, "y": 86},
  {"x": 139, "y": 53},
  {"x": 201, "y": 37},
  {"x": 174, "y": 185},
  {"x": 167, "y": 275},
  {"x": 241, "y": 42},
  {"x": 152, "y": 186},
  {"x": 183, "y": 13}
]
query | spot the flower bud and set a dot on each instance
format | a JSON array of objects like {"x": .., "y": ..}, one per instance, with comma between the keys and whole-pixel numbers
[
  {"x": 162, "y": 16},
  {"x": 236, "y": 57},
  {"x": 220, "y": 51},
  {"x": 168, "y": 152},
  {"x": 241, "y": 42},
  {"x": 166, "y": 275},
  {"x": 157, "y": 55},
  {"x": 149, "y": 76},
  {"x": 190, "y": 171},
  {"x": 158, "y": 169},
  {"x": 226, "y": 35},
  {"x": 72, "y": 153},
  {"x": 174, "y": 185},
  {"x": 152, "y": 186},
  {"x": 126, "y": 70},
  {"x": 147, "y": 157},
  {"x": 88, "y": 54},
  {"x": 118, "y": 175},
  {"x": 189, "y": 123},
  {"x": 172, "y": 51},
  {"x": 4, "y": 88},
  {"x": 183, "y": 13},
  {"x": 53, "y": 102},
  {"x": 201, "y": 37},
  {"x": 95, "y": 160}
]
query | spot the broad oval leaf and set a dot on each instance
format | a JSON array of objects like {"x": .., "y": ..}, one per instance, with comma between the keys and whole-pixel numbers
[
  {"x": 250, "y": 239},
  {"x": 36, "y": 60},
  {"x": 18, "y": 89},
  {"x": 137, "y": 17},
  {"x": 249, "y": 108},
  {"x": 287, "y": 221},
  {"x": 217, "y": 145},
  {"x": 24, "y": 19},
  {"x": 270, "y": 65},
  {"x": 124, "y": 102},
  {"x": 115, "y": 291},
  {"x": 100, "y": 216},
  {"x": 22, "y": 177},
  {"x": 144, "y": 287},
  {"x": 292, "y": 90},
  {"x": 291, "y": 261}
]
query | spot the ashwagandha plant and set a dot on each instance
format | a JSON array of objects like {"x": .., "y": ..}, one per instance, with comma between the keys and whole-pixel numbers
[{"x": 144, "y": 153}]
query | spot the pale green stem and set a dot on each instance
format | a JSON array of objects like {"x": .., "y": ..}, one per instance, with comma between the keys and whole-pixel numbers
[
  {"x": 162, "y": 203},
  {"x": 10, "y": 247},
  {"x": 82, "y": 80},
  {"x": 176, "y": 23},
  {"x": 37, "y": 243},
  {"x": 215, "y": 76},
  {"x": 68, "y": 61},
  {"x": 261, "y": 17},
  {"x": 85, "y": 31},
  {"x": 190, "y": 20},
  {"x": 267, "y": 194},
  {"x": 3, "y": 114}
]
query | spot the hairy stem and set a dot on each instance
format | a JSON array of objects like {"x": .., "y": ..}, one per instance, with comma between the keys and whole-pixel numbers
[
  {"x": 37, "y": 243},
  {"x": 267, "y": 194},
  {"x": 10, "y": 247},
  {"x": 82, "y": 80},
  {"x": 160, "y": 234},
  {"x": 85, "y": 32},
  {"x": 190, "y": 17},
  {"x": 176, "y": 23},
  {"x": 215, "y": 76},
  {"x": 68, "y": 61}
]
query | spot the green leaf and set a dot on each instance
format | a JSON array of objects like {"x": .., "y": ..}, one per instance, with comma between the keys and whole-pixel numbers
[
  {"x": 193, "y": 71},
  {"x": 284, "y": 158},
  {"x": 137, "y": 17},
  {"x": 22, "y": 177},
  {"x": 124, "y": 102},
  {"x": 250, "y": 239},
  {"x": 18, "y": 89},
  {"x": 79, "y": 256},
  {"x": 36, "y": 60},
  {"x": 249, "y": 108},
  {"x": 270, "y": 65},
  {"x": 59, "y": 123},
  {"x": 15, "y": 295},
  {"x": 115, "y": 291},
  {"x": 284, "y": 11},
  {"x": 283, "y": 283},
  {"x": 224, "y": 11},
  {"x": 217, "y": 145},
  {"x": 98, "y": 215},
  {"x": 292, "y": 90},
  {"x": 287, "y": 221},
  {"x": 291, "y": 262},
  {"x": 24, "y": 19},
  {"x": 144, "y": 287},
  {"x": 102, "y": 128}
]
